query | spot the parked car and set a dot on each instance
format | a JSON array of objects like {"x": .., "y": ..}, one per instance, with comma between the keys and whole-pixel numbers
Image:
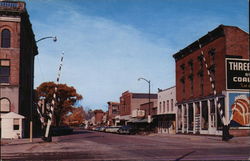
[
  {"x": 112, "y": 129},
  {"x": 102, "y": 128},
  {"x": 127, "y": 130},
  {"x": 96, "y": 128}
]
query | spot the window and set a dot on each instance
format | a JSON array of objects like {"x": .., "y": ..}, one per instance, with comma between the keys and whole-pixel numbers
[
  {"x": 172, "y": 105},
  {"x": 4, "y": 71},
  {"x": 5, "y": 38},
  {"x": 168, "y": 105},
  {"x": 160, "y": 108},
  {"x": 204, "y": 114},
  {"x": 191, "y": 76},
  {"x": 191, "y": 65},
  {"x": 179, "y": 114},
  {"x": 201, "y": 73},
  {"x": 4, "y": 105},
  {"x": 202, "y": 85},
  {"x": 212, "y": 56},
  {"x": 182, "y": 66},
  {"x": 16, "y": 124},
  {"x": 164, "y": 107}
]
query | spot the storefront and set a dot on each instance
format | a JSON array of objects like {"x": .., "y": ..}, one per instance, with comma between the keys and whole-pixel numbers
[
  {"x": 200, "y": 116},
  {"x": 166, "y": 123}
]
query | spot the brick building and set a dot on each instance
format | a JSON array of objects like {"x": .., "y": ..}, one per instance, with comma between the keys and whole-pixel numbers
[
  {"x": 131, "y": 102},
  {"x": 113, "y": 111},
  {"x": 17, "y": 52},
  {"x": 197, "y": 109},
  {"x": 98, "y": 115},
  {"x": 150, "y": 109}
]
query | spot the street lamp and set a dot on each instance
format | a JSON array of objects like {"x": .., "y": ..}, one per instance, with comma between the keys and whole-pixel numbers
[
  {"x": 31, "y": 110},
  {"x": 48, "y": 37},
  {"x": 148, "y": 81}
]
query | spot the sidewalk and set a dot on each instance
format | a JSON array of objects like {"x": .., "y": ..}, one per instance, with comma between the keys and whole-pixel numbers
[
  {"x": 23, "y": 141},
  {"x": 237, "y": 139}
]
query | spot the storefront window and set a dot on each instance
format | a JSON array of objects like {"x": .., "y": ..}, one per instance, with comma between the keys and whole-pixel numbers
[
  {"x": 179, "y": 117},
  {"x": 204, "y": 119},
  {"x": 190, "y": 116}
]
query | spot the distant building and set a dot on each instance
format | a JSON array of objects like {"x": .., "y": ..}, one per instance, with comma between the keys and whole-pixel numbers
[
  {"x": 226, "y": 50},
  {"x": 113, "y": 111},
  {"x": 98, "y": 115},
  {"x": 17, "y": 52},
  {"x": 149, "y": 108},
  {"x": 167, "y": 111},
  {"x": 131, "y": 103}
]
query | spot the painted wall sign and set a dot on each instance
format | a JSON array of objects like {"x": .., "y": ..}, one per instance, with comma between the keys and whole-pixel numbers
[
  {"x": 239, "y": 109},
  {"x": 238, "y": 73}
]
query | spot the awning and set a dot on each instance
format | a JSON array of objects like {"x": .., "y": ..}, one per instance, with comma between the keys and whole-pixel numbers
[{"x": 136, "y": 120}]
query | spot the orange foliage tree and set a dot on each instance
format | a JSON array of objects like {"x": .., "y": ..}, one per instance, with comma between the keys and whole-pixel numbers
[
  {"x": 76, "y": 117},
  {"x": 66, "y": 98}
]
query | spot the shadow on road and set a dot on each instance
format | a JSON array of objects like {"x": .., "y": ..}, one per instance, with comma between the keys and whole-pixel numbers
[
  {"x": 81, "y": 132},
  {"x": 178, "y": 159}
]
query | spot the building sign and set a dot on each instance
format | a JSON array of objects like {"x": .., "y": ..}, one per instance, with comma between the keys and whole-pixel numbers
[
  {"x": 238, "y": 73},
  {"x": 239, "y": 109}
]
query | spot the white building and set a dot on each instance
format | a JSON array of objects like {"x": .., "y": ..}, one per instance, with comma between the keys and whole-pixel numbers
[
  {"x": 166, "y": 111},
  {"x": 11, "y": 125}
]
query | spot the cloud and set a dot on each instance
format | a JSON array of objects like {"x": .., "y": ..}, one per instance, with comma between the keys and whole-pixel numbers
[
  {"x": 105, "y": 54},
  {"x": 102, "y": 58}
]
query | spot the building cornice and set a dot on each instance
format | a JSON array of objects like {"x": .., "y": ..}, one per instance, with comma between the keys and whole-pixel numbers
[
  {"x": 206, "y": 39},
  {"x": 10, "y": 19}
]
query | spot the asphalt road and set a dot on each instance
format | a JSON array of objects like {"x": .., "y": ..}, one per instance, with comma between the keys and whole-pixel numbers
[{"x": 89, "y": 145}]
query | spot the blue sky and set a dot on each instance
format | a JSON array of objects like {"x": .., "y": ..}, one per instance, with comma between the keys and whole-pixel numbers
[{"x": 109, "y": 44}]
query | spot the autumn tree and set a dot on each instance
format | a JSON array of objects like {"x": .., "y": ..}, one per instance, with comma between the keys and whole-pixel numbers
[
  {"x": 66, "y": 98},
  {"x": 76, "y": 117}
]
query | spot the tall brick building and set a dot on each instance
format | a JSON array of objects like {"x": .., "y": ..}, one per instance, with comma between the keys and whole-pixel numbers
[
  {"x": 133, "y": 102},
  {"x": 197, "y": 110},
  {"x": 113, "y": 111},
  {"x": 98, "y": 117},
  {"x": 17, "y": 52}
]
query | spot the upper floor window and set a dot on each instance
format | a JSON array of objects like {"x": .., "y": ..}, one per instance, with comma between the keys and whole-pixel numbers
[
  {"x": 191, "y": 75},
  {"x": 164, "y": 107},
  {"x": 4, "y": 71},
  {"x": 168, "y": 105},
  {"x": 212, "y": 56},
  {"x": 160, "y": 108},
  {"x": 172, "y": 105},
  {"x": 4, "y": 105},
  {"x": 5, "y": 38}
]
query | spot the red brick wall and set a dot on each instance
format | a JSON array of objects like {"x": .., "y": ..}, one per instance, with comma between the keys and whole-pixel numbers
[
  {"x": 12, "y": 53},
  {"x": 153, "y": 110},
  {"x": 125, "y": 103},
  {"x": 98, "y": 116},
  {"x": 111, "y": 107},
  {"x": 235, "y": 42}
]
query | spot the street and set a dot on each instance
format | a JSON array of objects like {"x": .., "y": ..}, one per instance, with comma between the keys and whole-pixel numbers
[{"x": 90, "y": 145}]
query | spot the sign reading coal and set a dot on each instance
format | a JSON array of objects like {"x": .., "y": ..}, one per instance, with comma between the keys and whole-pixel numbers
[{"x": 238, "y": 73}]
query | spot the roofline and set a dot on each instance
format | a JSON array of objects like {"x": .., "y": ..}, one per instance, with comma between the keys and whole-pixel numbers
[
  {"x": 162, "y": 90},
  {"x": 111, "y": 102},
  {"x": 204, "y": 40}
]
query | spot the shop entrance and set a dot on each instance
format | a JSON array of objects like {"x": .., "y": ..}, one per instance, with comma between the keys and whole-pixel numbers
[{"x": 212, "y": 118}]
